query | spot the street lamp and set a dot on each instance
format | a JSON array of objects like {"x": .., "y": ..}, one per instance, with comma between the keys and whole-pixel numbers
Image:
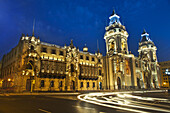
[{"x": 9, "y": 79}]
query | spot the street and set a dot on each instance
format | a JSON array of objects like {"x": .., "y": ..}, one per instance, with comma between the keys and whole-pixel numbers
[
  {"x": 48, "y": 104},
  {"x": 70, "y": 103}
]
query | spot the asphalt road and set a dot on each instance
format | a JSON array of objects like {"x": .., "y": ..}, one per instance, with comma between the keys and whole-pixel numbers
[
  {"x": 70, "y": 104},
  {"x": 49, "y": 104}
]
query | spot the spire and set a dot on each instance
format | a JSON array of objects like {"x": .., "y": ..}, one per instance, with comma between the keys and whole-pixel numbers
[
  {"x": 33, "y": 27},
  {"x": 144, "y": 31},
  {"x": 113, "y": 12},
  {"x": 71, "y": 44},
  {"x": 145, "y": 36}
]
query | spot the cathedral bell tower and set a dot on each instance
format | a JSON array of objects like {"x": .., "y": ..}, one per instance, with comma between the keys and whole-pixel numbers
[
  {"x": 116, "y": 36},
  {"x": 147, "y": 49},
  {"x": 147, "y": 53}
]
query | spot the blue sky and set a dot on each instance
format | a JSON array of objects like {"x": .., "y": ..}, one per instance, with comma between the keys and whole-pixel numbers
[{"x": 84, "y": 21}]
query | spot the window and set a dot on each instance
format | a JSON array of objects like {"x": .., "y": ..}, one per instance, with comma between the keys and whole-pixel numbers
[
  {"x": 60, "y": 84},
  {"x": 87, "y": 84},
  {"x": 52, "y": 84},
  {"x": 93, "y": 59},
  {"x": 81, "y": 84},
  {"x": 72, "y": 68},
  {"x": 43, "y": 49},
  {"x": 61, "y": 53},
  {"x": 42, "y": 66},
  {"x": 99, "y": 60},
  {"x": 137, "y": 64},
  {"x": 81, "y": 56},
  {"x": 53, "y": 51},
  {"x": 42, "y": 83},
  {"x": 29, "y": 65},
  {"x": 32, "y": 47},
  {"x": 87, "y": 58},
  {"x": 100, "y": 73},
  {"x": 93, "y": 84}
]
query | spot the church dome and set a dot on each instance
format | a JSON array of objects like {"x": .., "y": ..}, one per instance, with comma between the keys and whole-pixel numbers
[{"x": 85, "y": 48}]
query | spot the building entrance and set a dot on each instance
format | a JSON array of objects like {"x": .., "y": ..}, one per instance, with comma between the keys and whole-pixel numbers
[
  {"x": 138, "y": 83},
  {"x": 154, "y": 84},
  {"x": 73, "y": 85},
  {"x": 28, "y": 85},
  {"x": 100, "y": 85},
  {"x": 118, "y": 82}
]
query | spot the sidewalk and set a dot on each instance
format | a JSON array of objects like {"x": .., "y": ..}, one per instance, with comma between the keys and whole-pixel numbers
[
  {"x": 28, "y": 93},
  {"x": 77, "y": 93}
]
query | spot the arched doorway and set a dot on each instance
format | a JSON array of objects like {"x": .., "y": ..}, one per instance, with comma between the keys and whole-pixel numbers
[
  {"x": 72, "y": 68},
  {"x": 154, "y": 84},
  {"x": 138, "y": 83},
  {"x": 118, "y": 82},
  {"x": 100, "y": 85},
  {"x": 28, "y": 85},
  {"x": 60, "y": 85},
  {"x": 147, "y": 82},
  {"x": 73, "y": 85}
]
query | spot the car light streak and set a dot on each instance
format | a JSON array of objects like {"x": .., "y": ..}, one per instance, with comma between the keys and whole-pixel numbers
[
  {"x": 110, "y": 106},
  {"x": 122, "y": 104},
  {"x": 123, "y": 99}
]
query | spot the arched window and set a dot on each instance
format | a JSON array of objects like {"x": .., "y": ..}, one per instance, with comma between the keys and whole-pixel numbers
[
  {"x": 112, "y": 45},
  {"x": 30, "y": 64},
  {"x": 32, "y": 47},
  {"x": 72, "y": 68},
  {"x": 100, "y": 72},
  {"x": 123, "y": 45}
]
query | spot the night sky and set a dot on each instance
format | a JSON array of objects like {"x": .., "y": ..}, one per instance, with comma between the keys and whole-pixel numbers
[{"x": 84, "y": 21}]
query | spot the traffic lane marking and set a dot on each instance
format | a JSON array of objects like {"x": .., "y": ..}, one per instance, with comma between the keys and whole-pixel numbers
[{"x": 44, "y": 111}]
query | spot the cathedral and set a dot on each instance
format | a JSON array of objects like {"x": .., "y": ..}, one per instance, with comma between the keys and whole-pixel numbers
[
  {"x": 122, "y": 69},
  {"x": 34, "y": 65}
]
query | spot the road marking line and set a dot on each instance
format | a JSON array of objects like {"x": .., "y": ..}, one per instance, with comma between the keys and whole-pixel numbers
[{"x": 44, "y": 111}]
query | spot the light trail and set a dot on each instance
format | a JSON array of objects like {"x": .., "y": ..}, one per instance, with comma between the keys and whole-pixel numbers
[
  {"x": 110, "y": 106},
  {"x": 123, "y": 99}
]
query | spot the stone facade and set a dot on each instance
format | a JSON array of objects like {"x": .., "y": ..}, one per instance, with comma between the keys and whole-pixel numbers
[
  {"x": 34, "y": 65},
  {"x": 122, "y": 69},
  {"x": 38, "y": 66}
]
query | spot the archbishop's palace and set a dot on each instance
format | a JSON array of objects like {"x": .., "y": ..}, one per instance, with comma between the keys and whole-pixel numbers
[{"x": 34, "y": 65}]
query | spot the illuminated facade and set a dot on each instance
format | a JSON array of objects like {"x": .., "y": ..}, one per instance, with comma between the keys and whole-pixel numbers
[
  {"x": 165, "y": 74},
  {"x": 38, "y": 66},
  {"x": 122, "y": 69}
]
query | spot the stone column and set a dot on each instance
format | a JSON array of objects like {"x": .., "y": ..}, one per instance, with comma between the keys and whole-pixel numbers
[{"x": 111, "y": 74}]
